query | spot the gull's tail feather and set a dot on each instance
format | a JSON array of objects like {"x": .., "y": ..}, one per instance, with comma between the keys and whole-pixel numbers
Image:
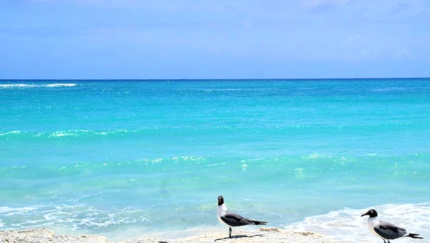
[
  {"x": 256, "y": 222},
  {"x": 415, "y": 236}
]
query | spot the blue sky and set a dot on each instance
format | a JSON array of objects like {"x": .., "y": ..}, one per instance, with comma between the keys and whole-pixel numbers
[{"x": 138, "y": 39}]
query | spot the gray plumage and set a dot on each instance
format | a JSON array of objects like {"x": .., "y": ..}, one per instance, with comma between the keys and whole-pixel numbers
[
  {"x": 235, "y": 220},
  {"x": 389, "y": 231}
]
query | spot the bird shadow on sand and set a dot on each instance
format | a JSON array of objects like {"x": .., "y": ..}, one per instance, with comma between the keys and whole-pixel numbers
[{"x": 238, "y": 236}]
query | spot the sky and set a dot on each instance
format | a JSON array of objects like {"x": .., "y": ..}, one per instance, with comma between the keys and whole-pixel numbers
[{"x": 214, "y": 39}]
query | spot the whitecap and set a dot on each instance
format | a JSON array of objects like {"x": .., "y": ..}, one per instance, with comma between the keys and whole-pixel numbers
[
  {"x": 16, "y": 85},
  {"x": 390, "y": 89},
  {"x": 53, "y": 85},
  {"x": 60, "y": 85},
  {"x": 63, "y": 134},
  {"x": 10, "y": 132}
]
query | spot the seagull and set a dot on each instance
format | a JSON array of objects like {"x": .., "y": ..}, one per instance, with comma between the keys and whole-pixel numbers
[
  {"x": 231, "y": 219},
  {"x": 384, "y": 230}
]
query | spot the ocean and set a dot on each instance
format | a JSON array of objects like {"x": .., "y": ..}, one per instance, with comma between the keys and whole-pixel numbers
[{"x": 127, "y": 158}]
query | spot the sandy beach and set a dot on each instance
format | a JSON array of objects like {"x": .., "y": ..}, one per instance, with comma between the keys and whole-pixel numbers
[{"x": 261, "y": 235}]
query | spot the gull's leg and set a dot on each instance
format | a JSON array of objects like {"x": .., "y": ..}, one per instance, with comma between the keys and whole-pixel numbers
[{"x": 229, "y": 232}]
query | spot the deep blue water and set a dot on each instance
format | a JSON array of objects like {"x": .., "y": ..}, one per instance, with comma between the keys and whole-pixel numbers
[{"x": 107, "y": 157}]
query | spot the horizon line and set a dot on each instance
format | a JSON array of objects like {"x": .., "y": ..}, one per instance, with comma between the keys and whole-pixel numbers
[{"x": 203, "y": 79}]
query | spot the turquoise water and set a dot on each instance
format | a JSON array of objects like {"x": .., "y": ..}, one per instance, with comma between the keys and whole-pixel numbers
[{"x": 108, "y": 157}]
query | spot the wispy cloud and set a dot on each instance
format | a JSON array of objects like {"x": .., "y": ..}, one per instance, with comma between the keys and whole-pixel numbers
[
  {"x": 387, "y": 53},
  {"x": 402, "y": 53},
  {"x": 311, "y": 31},
  {"x": 39, "y": 31},
  {"x": 371, "y": 53},
  {"x": 324, "y": 5},
  {"x": 43, "y": 1},
  {"x": 355, "y": 38}
]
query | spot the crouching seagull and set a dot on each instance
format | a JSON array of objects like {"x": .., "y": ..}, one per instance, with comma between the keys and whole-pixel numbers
[
  {"x": 232, "y": 219},
  {"x": 384, "y": 230}
]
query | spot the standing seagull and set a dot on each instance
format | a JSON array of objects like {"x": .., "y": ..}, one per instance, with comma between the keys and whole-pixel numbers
[
  {"x": 384, "y": 230},
  {"x": 232, "y": 219}
]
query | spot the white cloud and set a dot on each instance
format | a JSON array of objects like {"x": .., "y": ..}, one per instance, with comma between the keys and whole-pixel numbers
[
  {"x": 371, "y": 53},
  {"x": 324, "y": 4},
  {"x": 396, "y": 53},
  {"x": 402, "y": 53},
  {"x": 355, "y": 38},
  {"x": 44, "y": 1}
]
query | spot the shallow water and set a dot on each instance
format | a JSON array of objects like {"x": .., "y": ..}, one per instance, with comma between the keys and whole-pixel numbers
[{"x": 108, "y": 157}]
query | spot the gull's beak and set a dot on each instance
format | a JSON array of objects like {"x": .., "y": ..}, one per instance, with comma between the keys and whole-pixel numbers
[{"x": 365, "y": 214}]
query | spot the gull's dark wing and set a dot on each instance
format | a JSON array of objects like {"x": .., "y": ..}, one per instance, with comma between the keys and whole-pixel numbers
[
  {"x": 389, "y": 231},
  {"x": 233, "y": 219}
]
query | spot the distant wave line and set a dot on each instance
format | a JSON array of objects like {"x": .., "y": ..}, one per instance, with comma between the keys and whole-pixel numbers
[
  {"x": 66, "y": 133},
  {"x": 54, "y": 85}
]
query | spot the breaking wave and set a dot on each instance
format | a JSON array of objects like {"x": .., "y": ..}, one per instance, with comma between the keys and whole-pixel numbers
[
  {"x": 347, "y": 225},
  {"x": 54, "y": 85}
]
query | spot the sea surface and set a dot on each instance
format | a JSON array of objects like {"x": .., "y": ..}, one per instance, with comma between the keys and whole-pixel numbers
[{"x": 127, "y": 158}]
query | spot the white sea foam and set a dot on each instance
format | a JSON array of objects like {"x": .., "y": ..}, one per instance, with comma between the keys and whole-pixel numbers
[
  {"x": 347, "y": 225},
  {"x": 390, "y": 89},
  {"x": 218, "y": 90},
  {"x": 59, "y": 85},
  {"x": 5, "y": 86},
  {"x": 54, "y": 85},
  {"x": 68, "y": 133},
  {"x": 79, "y": 132},
  {"x": 59, "y": 134},
  {"x": 72, "y": 217},
  {"x": 9, "y": 133},
  {"x": 22, "y": 210}
]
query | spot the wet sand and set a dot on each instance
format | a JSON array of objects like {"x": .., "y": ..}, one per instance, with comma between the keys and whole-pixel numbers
[{"x": 273, "y": 235}]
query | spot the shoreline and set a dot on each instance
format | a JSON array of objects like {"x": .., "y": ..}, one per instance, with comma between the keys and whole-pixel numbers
[
  {"x": 340, "y": 226},
  {"x": 264, "y": 234}
]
